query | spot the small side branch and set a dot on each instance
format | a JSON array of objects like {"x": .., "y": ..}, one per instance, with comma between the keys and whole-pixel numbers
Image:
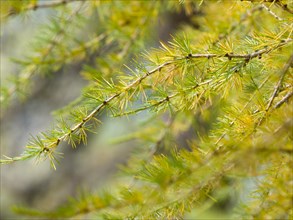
[
  {"x": 162, "y": 101},
  {"x": 276, "y": 2},
  {"x": 36, "y": 6},
  {"x": 284, "y": 6},
  {"x": 283, "y": 100},
  {"x": 271, "y": 12},
  {"x": 244, "y": 17},
  {"x": 55, "y": 40},
  {"x": 278, "y": 86}
]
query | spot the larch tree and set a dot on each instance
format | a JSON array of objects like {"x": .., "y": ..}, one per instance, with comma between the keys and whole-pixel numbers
[{"x": 215, "y": 96}]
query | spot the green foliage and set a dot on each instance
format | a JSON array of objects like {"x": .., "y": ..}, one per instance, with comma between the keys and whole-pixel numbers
[{"x": 230, "y": 80}]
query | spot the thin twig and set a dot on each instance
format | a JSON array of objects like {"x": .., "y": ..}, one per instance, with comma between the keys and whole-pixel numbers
[
  {"x": 49, "y": 5},
  {"x": 245, "y": 106},
  {"x": 276, "y": 2},
  {"x": 278, "y": 86},
  {"x": 271, "y": 12},
  {"x": 283, "y": 100},
  {"x": 243, "y": 18},
  {"x": 36, "y": 6},
  {"x": 284, "y": 6},
  {"x": 161, "y": 101},
  {"x": 54, "y": 43}
]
